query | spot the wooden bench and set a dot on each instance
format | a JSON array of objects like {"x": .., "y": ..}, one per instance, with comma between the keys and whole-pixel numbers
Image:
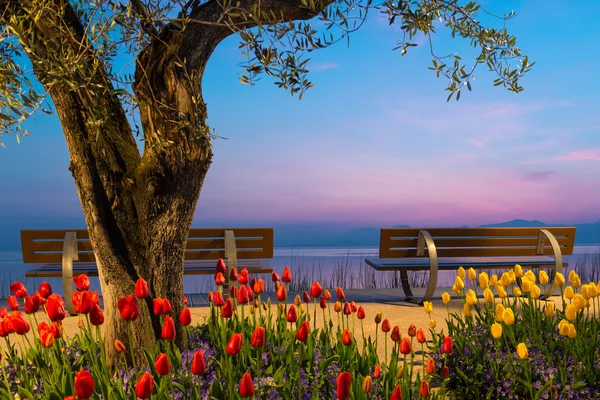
[
  {"x": 433, "y": 249},
  {"x": 67, "y": 253}
]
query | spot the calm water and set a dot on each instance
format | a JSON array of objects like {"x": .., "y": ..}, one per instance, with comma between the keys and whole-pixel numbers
[{"x": 345, "y": 264}]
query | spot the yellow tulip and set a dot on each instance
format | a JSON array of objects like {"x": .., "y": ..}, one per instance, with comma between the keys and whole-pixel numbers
[
  {"x": 550, "y": 309},
  {"x": 378, "y": 317},
  {"x": 467, "y": 309},
  {"x": 499, "y": 312},
  {"x": 496, "y": 331},
  {"x": 572, "y": 276},
  {"x": 501, "y": 292},
  {"x": 518, "y": 271},
  {"x": 585, "y": 291},
  {"x": 530, "y": 276},
  {"x": 460, "y": 284},
  {"x": 512, "y": 276},
  {"x": 563, "y": 327},
  {"x": 471, "y": 297},
  {"x": 494, "y": 280},
  {"x": 367, "y": 384},
  {"x": 559, "y": 279},
  {"x": 455, "y": 290},
  {"x": 428, "y": 307},
  {"x": 580, "y": 302},
  {"x": 297, "y": 300},
  {"x": 572, "y": 332},
  {"x": 593, "y": 290},
  {"x": 400, "y": 372},
  {"x": 571, "y": 312},
  {"x": 569, "y": 293},
  {"x": 488, "y": 295},
  {"x": 472, "y": 274},
  {"x": 522, "y": 351},
  {"x": 461, "y": 273},
  {"x": 544, "y": 277},
  {"x": 337, "y": 307},
  {"x": 508, "y": 316},
  {"x": 535, "y": 292},
  {"x": 576, "y": 283},
  {"x": 505, "y": 279},
  {"x": 446, "y": 297},
  {"x": 431, "y": 324},
  {"x": 526, "y": 285},
  {"x": 301, "y": 308},
  {"x": 484, "y": 280},
  {"x": 516, "y": 291}
]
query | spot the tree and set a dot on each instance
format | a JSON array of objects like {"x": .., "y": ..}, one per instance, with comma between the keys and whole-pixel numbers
[{"x": 138, "y": 205}]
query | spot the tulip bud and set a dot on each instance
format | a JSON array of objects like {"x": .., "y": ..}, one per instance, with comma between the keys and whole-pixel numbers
[
  {"x": 496, "y": 331},
  {"x": 543, "y": 277},
  {"x": 360, "y": 313},
  {"x": 522, "y": 351},
  {"x": 301, "y": 309},
  {"x": 484, "y": 280},
  {"x": 366, "y": 386},
  {"x": 446, "y": 297},
  {"x": 405, "y": 346},
  {"x": 323, "y": 302},
  {"x": 430, "y": 367},
  {"x": 559, "y": 279},
  {"x": 572, "y": 333},
  {"x": 327, "y": 295},
  {"x": 550, "y": 310},
  {"x": 447, "y": 345},
  {"x": 508, "y": 316},
  {"x": 432, "y": 324},
  {"x": 428, "y": 307},
  {"x": 385, "y": 326},
  {"x": 459, "y": 283},
  {"x": 198, "y": 363},
  {"x": 412, "y": 330},
  {"x": 306, "y": 297},
  {"x": 471, "y": 297},
  {"x": 472, "y": 274},
  {"x": 445, "y": 372},
  {"x": 421, "y": 336},
  {"x": 297, "y": 300},
  {"x": 343, "y": 384},
  {"x": 493, "y": 280},
  {"x": 467, "y": 310},
  {"x": 395, "y": 336},
  {"x": 337, "y": 307},
  {"x": 571, "y": 312},
  {"x": 488, "y": 295},
  {"x": 378, "y": 318},
  {"x": 517, "y": 291},
  {"x": 518, "y": 271},
  {"x": 287, "y": 275},
  {"x": 424, "y": 389},
  {"x": 461, "y": 273},
  {"x": 505, "y": 279},
  {"x": 377, "y": 371},
  {"x": 346, "y": 338},
  {"x": 246, "y": 385},
  {"x": 499, "y": 312}
]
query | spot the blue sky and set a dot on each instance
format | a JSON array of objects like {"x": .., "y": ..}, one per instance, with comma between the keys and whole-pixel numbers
[{"x": 375, "y": 142}]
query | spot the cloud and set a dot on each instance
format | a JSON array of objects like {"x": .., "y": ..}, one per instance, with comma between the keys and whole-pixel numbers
[
  {"x": 540, "y": 176},
  {"x": 323, "y": 66},
  {"x": 582, "y": 155}
]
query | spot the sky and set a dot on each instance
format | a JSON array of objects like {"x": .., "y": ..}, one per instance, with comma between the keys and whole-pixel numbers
[{"x": 375, "y": 142}]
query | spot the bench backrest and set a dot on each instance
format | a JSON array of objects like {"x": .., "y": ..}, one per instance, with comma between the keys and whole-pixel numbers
[
  {"x": 46, "y": 246},
  {"x": 474, "y": 242}
]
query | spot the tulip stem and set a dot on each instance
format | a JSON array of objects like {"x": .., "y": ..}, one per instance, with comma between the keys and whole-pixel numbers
[
  {"x": 130, "y": 337},
  {"x": 314, "y": 315}
]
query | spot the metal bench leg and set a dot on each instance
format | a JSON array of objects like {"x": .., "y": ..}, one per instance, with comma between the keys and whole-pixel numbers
[
  {"x": 231, "y": 257},
  {"x": 68, "y": 256},
  {"x": 406, "y": 284},
  {"x": 424, "y": 239},
  {"x": 558, "y": 262}
]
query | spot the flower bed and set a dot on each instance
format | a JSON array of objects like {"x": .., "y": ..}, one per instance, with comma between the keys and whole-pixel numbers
[{"x": 313, "y": 346}]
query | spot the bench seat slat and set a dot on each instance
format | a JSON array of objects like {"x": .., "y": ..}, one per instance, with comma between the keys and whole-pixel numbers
[
  {"x": 450, "y": 263},
  {"x": 54, "y": 270}
]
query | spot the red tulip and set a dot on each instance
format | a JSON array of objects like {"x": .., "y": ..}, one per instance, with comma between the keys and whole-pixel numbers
[
  {"x": 233, "y": 275},
  {"x": 55, "y": 307},
  {"x": 19, "y": 325},
  {"x": 242, "y": 296},
  {"x": 405, "y": 346},
  {"x": 96, "y": 315},
  {"x": 141, "y": 289},
  {"x": 347, "y": 309},
  {"x": 447, "y": 345},
  {"x": 235, "y": 344},
  {"x": 32, "y": 304},
  {"x": 385, "y": 326},
  {"x": 303, "y": 331},
  {"x": 360, "y": 314},
  {"x": 233, "y": 291},
  {"x": 13, "y": 303},
  {"x": 421, "y": 336},
  {"x": 340, "y": 293},
  {"x": 82, "y": 282},
  {"x": 211, "y": 296},
  {"x": 259, "y": 286},
  {"x": 396, "y": 394},
  {"x": 306, "y": 297},
  {"x": 221, "y": 267},
  {"x": 424, "y": 390},
  {"x": 287, "y": 275},
  {"x": 168, "y": 330},
  {"x": 84, "y": 384},
  {"x": 323, "y": 302},
  {"x": 281, "y": 294},
  {"x": 185, "y": 300},
  {"x": 56, "y": 330},
  {"x": 46, "y": 338},
  {"x": 219, "y": 279},
  {"x": 161, "y": 363},
  {"x": 292, "y": 315},
  {"x": 346, "y": 337},
  {"x": 218, "y": 300},
  {"x": 445, "y": 372},
  {"x": 377, "y": 372},
  {"x": 18, "y": 289},
  {"x": 83, "y": 302},
  {"x": 353, "y": 307},
  {"x": 7, "y": 327},
  {"x": 343, "y": 382},
  {"x": 243, "y": 278},
  {"x": 430, "y": 367},
  {"x": 327, "y": 295},
  {"x": 41, "y": 299},
  {"x": 227, "y": 310},
  {"x": 3, "y": 312},
  {"x": 119, "y": 346},
  {"x": 395, "y": 336},
  {"x": 246, "y": 386},
  {"x": 162, "y": 306},
  {"x": 198, "y": 363},
  {"x": 144, "y": 386},
  {"x": 45, "y": 290},
  {"x": 128, "y": 307},
  {"x": 258, "y": 337},
  {"x": 316, "y": 289},
  {"x": 274, "y": 277},
  {"x": 412, "y": 330},
  {"x": 185, "y": 318},
  {"x": 70, "y": 398}
]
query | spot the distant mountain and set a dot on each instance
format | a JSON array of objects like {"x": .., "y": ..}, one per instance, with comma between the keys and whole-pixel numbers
[{"x": 517, "y": 223}]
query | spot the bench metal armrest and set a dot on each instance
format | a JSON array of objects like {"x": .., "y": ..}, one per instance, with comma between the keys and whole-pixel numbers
[
  {"x": 69, "y": 255},
  {"x": 425, "y": 239},
  {"x": 231, "y": 257},
  {"x": 558, "y": 261}
]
